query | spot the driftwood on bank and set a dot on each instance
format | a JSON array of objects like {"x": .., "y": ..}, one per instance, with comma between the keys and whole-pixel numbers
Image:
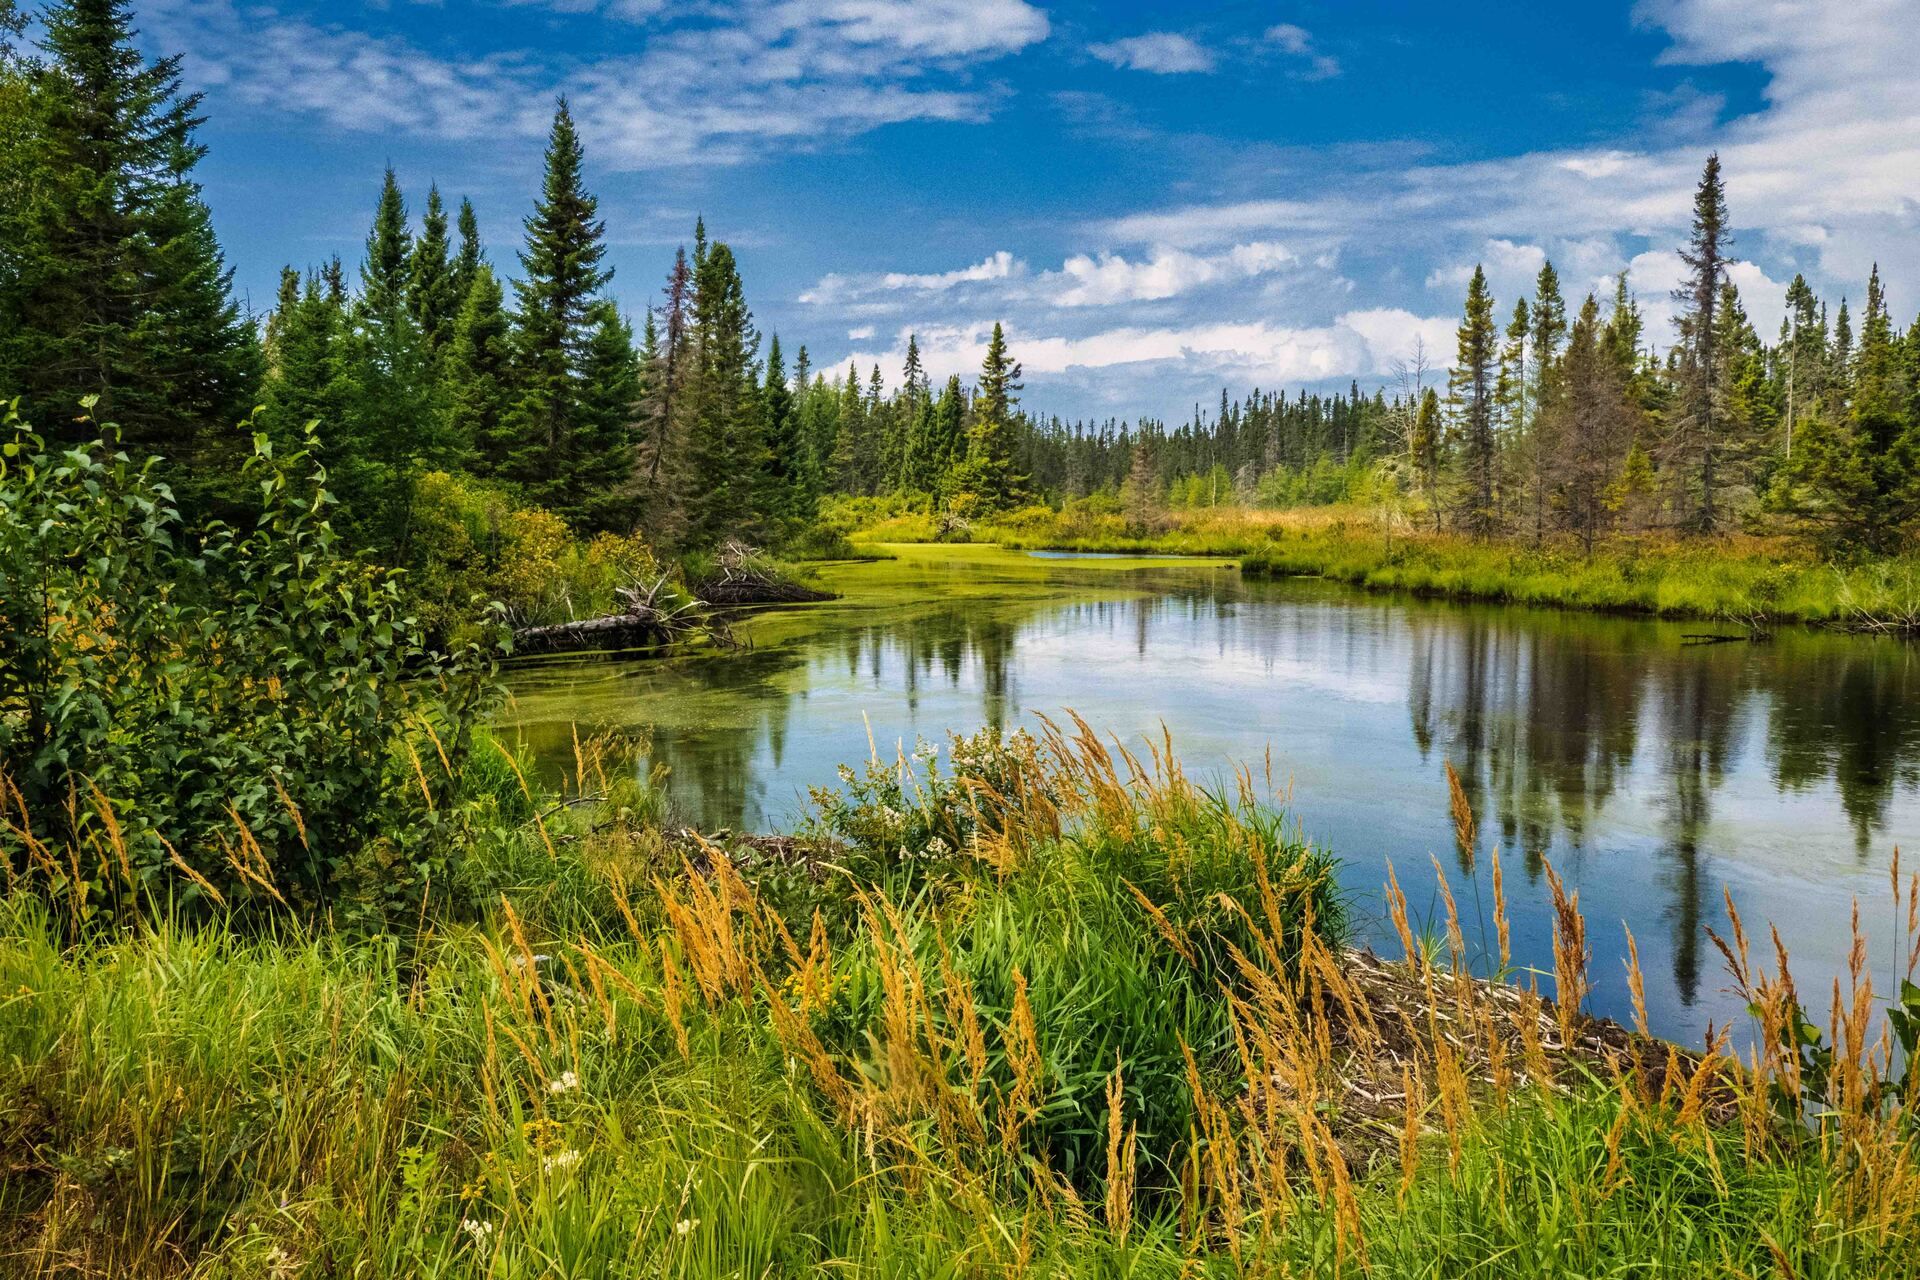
[
  {"x": 740, "y": 577},
  {"x": 655, "y": 616},
  {"x": 651, "y": 616}
]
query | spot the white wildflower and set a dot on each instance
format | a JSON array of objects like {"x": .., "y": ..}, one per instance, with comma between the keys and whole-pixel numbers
[
  {"x": 685, "y": 1226},
  {"x": 565, "y": 1082},
  {"x": 559, "y": 1160},
  {"x": 480, "y": 1230}
]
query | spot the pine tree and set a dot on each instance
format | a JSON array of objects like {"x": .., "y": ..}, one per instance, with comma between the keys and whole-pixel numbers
[
  {"x": 1695, "y": 439},
  {"x": 791, "y": 500},
  {"x": 601, "y": 493},
  {"x": 116, "y": 287},
  {"x": 1472, "y": 385},
  {"x": 1548, "y": 316},
  {"x": 469, "y": 257},
  {"x": 305, "y": 383},
  {"x": 726, "y": 442},
  {"x": 554, "y": 329},
  {"x": 1857, "y": 478},
  {"x": 390, "y": 426},
  {"x": 989, "y": 468},
  {"x": 478, "y": 391},
  {"x": 1425, "y": 444},
  {"x": 433, "y": 295},
  {"x": 1594, "y": 429}
]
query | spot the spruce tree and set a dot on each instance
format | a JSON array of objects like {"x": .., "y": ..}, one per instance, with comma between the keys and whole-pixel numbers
[
  {"x": 790, "y": 496},
  {"x": 726, "y": 442},
  {"x": 306, "y": 382},
  {"x": 433, "y": 295},
  {"x": 478, "y": 388},
  {"x": 390, "y": 427},
  {"x": 469, "y": 257},
  {"x": 1472, "y": 386},
  {"x": 1695, "y": 440},
  {"x": 555, "y": 328},
  {"x": 989, "y": 468},
  {"x": 602, "y": 497},
  {"x": 116, "y": 287}
]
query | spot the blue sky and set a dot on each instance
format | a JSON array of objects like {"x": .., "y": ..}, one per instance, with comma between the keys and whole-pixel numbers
[{"x": 1158, "y": 200}]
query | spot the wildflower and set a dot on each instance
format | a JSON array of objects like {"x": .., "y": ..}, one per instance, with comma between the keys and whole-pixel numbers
[
  {"x": 559, "y": 1160},
  {"x": 565, "y": 1082},
  {"x": 686, "y": 1226},
  {"x": 478, "y": 1229}
]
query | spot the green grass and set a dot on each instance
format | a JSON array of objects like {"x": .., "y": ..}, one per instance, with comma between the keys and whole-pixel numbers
[
  {"x": 1738, "y": 578},
  {"x": 686, "y": 1090}
]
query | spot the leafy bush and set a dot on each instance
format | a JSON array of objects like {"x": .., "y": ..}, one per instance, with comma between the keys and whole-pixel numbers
[
  {"x": 245, "y": 717},
  {"x": 471, "y": 543}
]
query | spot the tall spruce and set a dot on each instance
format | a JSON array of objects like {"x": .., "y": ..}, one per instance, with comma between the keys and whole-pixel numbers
[
  {"x": 433, "y": 289},
  {"x": 548, "y": 453},
  {"x": 1694, "y": 439},
  {"x": 726, "y": 441},
  {"x": 791, "y": 500},
  {"x": 116, "y": 287},
  {"x": 602, "y": 495},
  {"x": 991, "y": 443},
  {"x": 1472, "y": 385},
  {"x": 478, "y": 388}
]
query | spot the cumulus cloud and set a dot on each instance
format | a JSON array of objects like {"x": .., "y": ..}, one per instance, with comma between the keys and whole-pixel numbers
[
  {"x": 1253, "y": 352},
  {"x": 1087, "y": 281},
  {"x": 1159, "y": 52}
]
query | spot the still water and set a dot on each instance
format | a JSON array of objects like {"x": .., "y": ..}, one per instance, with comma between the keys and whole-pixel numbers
[{"x": 1654, "y": 773}]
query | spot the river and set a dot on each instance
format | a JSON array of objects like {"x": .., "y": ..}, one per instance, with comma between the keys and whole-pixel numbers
[{"x": 1653, "y": 772}]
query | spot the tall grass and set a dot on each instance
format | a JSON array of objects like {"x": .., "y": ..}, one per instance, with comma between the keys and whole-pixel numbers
[{"x": 1106, "y": 1025}]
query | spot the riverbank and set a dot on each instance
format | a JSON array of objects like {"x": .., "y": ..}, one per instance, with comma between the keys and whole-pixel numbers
[
  {"x": 1755, "y": 582},
  {"x": 1045, "y": 1009}
]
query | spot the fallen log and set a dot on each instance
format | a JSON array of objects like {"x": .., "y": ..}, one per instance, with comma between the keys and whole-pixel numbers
[{"x": 617, "y": 631}]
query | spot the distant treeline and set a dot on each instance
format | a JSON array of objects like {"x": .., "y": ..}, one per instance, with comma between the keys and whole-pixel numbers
[{"x": 680, "y": 424}]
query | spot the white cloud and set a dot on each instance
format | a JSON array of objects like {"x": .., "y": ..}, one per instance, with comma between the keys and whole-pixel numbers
[
  {"x": 1510, "y": 268},
  {"x": 1085, "y": 281},
  {"x": 1159, "y": 52},
  {"x": 1001, "y": 265},
  {"x": 1297, "y": 41},
  {"x": 861, "y": 334},
  {"x": 1196, "y": 225},
  {"x": 1255, "y": 352},
  {"x": 702, "y": 88}
]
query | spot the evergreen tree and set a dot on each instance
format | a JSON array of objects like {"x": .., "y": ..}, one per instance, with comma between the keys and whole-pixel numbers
[
  {"x": 1548, "y": 319},
  {"x": 552, "y": 451},
  {"x": 306, "y": 382},
  {"x": 115, "y": 286},
  {"x": 433, "y": 295},
  {"x": 791, "y": 499},
  {"x": 1857, "y": 478},
  {"x": 1695, "y": 439},
  {"x": 469, "y": 257},
  {"x": 478, "y": 391},
  {"x": 390, "y": 426},
  {"x": 726, "y": 442},
  {"x": 1425, "y": 444},
  {"x": 989, "y": 469},
  {"x": 601, "y": 493},
  {"x": 1594, "y": 432},
  {"x": 1472, "y": 385}
]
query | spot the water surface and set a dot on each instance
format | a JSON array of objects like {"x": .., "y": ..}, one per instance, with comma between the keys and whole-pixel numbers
[{"x": 1651, "y": 771}]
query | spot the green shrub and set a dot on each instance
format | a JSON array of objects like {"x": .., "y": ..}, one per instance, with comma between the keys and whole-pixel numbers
[{"x": 246, "y": 716}]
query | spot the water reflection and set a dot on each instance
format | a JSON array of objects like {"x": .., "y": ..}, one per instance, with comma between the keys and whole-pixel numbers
[{"x": 1652, "y": 772}]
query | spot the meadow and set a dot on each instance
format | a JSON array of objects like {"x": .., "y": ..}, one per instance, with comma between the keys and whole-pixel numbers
[{"x": 1012, "y": 1006}]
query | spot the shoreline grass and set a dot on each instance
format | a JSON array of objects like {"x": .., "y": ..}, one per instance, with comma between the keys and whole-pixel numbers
[
  {"x": 1751, "y": 580},
  {"x": 1048, "y": 1009}
]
